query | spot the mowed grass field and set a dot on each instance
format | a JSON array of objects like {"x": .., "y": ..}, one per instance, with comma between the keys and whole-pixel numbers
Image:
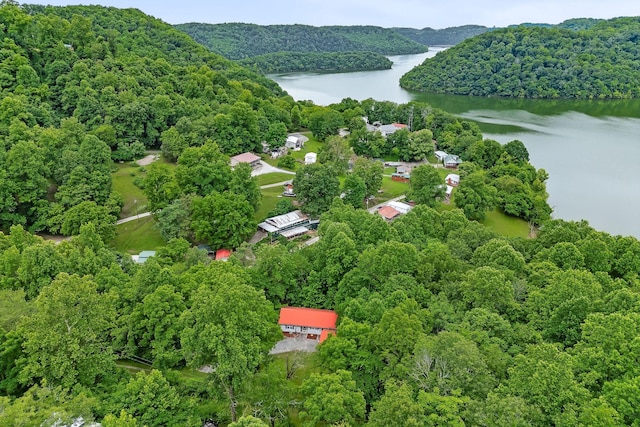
[
  {"x": 122, "y": 181},
  {"x": 136, "y": 236},
  {"x": 506, "y": 225},
  {"x": 270, "y": 196},
  {"x": 272, "y": 178}
]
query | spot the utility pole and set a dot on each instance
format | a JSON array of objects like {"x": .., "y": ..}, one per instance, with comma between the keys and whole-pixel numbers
[{"x": 410, "y": 119}]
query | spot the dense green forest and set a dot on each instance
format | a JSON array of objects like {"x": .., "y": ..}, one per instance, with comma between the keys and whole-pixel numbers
[
  {"x": 239, "y": 41},
  {"x": 442, "y": 322},
  {"x": 293, "y": 62},
  {"x": 533, "y": 62},
  {"x": 569, "y": 24},
  {"x": 442, "y": 37},
  {"x": 82, "y": 86}
]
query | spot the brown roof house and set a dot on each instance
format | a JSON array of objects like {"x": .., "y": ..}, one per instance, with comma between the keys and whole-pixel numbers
[{"x": 247, "y": 157}]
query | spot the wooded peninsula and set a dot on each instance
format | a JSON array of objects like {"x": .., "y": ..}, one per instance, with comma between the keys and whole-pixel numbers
[{"x": 595, "y": 60}]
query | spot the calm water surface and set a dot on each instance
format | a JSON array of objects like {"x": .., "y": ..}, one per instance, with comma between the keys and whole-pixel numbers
[{"x": 591, "y": 149}]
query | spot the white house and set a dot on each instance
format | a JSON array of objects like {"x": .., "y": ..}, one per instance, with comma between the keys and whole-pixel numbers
[
  {"x": 310, "y": 158},
  {"x": 403, "y": 208},
  {"x": 440, "y": 155},
  {"x": 385, "y": 130},
  {"x": 281, "y": 223},
  {"x": 452, "y": 179},
  {"x": 295, "y": 142}
]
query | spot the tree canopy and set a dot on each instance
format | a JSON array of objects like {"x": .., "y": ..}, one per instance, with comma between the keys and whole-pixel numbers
[{"x": 536, "y": 62}]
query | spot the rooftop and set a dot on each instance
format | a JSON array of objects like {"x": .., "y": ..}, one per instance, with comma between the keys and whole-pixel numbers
[
  {"x": 246, "y": 158},
  {"x": 279, "y": 222},
  {"x": 309, "y": 317},
  {"x": 388, "y": 212},
  {"x": 403, "y": 208},
  {"x": 223, "y": 254}
]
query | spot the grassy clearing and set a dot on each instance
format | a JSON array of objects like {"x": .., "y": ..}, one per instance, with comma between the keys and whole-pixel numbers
[
  {"x": 270, "y": 196},
  {"x": 122, "y": 181},
  {"x": 274, "y": 162},
  {"x": 192, "y": 374},
  {"x": 311, "y": 146},
  {"x": 389, "y": 171},
  {"x": 186, "y": 373},
  {"x": 133, "y": 367},
  {"x": 272, "y": 178},
  {"x": 506, "y": 225},
  {"x": 309, "y": 365},
  {"x": 136, "y": 236},
  {"x": 391, "y": 189}
]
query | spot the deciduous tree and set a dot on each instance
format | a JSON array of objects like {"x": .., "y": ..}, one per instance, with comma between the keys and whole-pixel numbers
[
  {"x": 331, "y": 399},
  {"x": 222, "y": 219},
  {"x": 370, "y": 172},
  {"x": 230, "y": 327},
  {"x": 475, "y": 197},
  {"x": 66, "y": 339},
  {"x": 426, "y": 186},
  {"x": 316, "y": 186}
]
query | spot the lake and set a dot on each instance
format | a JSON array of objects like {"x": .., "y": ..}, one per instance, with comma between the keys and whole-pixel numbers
[{"x": 591, "y": 149}]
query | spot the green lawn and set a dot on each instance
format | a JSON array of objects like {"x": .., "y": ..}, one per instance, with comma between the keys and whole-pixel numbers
[
  {"x": 270, "y": 197},
  {"x": 132, "y": 367},
  {"x": 136, "y": 236},
  {"x": 272, "y": 178},
  {"x": 390, "y": 189},
  {"x": 506, "y": 225},
  {"x": 496, "y": 220},
  {"x": 122, "y": 181},
  {"x": 312, "y": 145}
]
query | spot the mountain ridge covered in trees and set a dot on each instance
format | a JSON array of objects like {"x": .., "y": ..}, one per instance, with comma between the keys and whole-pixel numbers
[
  {"x": 239, "y": 40},
  {"x": 598, "y": 62},
  {"x": 442, "y": 37}
]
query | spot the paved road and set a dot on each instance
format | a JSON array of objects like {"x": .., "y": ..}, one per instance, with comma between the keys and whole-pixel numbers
[
  {"x": 267, "y": 168},
  {"x": 277, "y": 184},
  {"x": 133, "y": 218}
]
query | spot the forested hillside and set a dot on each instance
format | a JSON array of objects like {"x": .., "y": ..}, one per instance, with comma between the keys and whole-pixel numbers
[
  {"x": 239, "y": 41},
  {"x": 441, "y": 322},
  {"x": 442, "y": 37},
  {"x": 294, "y": 62},
  {"x": 533, "y": 62},
  {"x": 82, "y": 86}
]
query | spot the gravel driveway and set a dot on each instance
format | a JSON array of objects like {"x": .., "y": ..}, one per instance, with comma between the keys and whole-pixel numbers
[
  {"x": 294, "y": 344},
  {"x": 267, "y": 168}
]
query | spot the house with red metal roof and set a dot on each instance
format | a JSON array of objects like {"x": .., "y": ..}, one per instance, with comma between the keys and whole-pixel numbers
[
  {"x": 312, "y": 323},
  {"x": 223, "y": 254}
]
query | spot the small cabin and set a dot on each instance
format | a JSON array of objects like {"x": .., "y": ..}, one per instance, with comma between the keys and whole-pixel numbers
[
  {"x": 440, "y": 155},
  {"x": 294, "y": 142},
  {"x": 310, "y": 158}
]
